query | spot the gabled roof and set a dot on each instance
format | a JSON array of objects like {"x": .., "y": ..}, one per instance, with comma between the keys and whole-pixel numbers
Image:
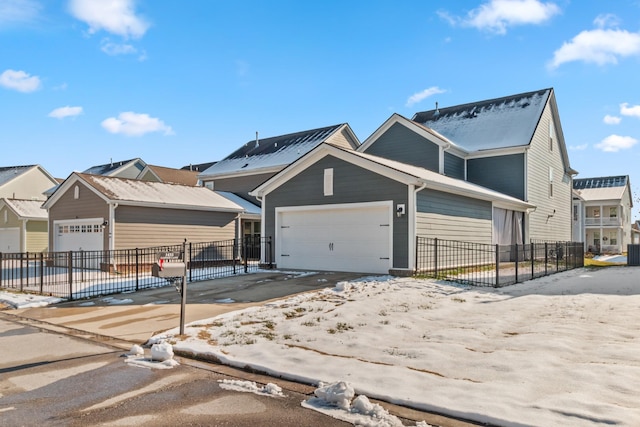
[
  {"x": 135, "y": 192},
  {"x": 109, "y": 169},
  {"x": 273, "y": 154},
  {"x": 8, "y": 173},
  {"x": 602, "y": 188},
  {"x": 26, "y": 209},
  {"x": 504, "y": 122},
  {"x": 402, "y": 172},
  {"x": 173, "y": 176},
  {"x": 200, "y": 167}
]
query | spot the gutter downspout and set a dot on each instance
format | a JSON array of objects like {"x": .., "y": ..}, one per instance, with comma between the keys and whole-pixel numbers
[
  {"x": 24, "y": 236},
  {"x": 112, "y": 226},
  {"x": 413, "y": 223}
]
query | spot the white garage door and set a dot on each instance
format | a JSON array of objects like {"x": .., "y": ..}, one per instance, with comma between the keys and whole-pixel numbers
[
  {"x": 85, "y": 235},
  {"x": 335, "y": 238},
  {"x": 10, "y": 240}
]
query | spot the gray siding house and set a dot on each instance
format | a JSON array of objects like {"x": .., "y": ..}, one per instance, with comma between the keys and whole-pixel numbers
[
  {"x": 92, "y": 212},
  {"x": 342, "y": 210},
  {"x": 494, "y": 171}
]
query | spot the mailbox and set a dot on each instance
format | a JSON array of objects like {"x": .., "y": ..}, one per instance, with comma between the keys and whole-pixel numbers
[
  {"x": 168, "y": 269},
  {"x": 169, "y": 264}
]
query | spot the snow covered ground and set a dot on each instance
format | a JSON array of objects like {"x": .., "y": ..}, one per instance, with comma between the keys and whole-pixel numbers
[{"x": 561, "y": 350}]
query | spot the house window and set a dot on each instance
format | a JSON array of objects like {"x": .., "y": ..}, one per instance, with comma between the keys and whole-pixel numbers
[
  {"x": 613, "y": 237},
  {"x": 6, "y": 217},
  {"x": 328, "y": 182},
  {"x": 596, "y": 238},
  {"x": 76, "y": 192},
  {"x": 596, "y": 212},
  {"x": 575, "y": 212},
  {"x": 613, "y": 212},
  {"x": 551, "y": 135},
  {"x": 209, "y": 185},
  {"x": 550, "y": 182}
]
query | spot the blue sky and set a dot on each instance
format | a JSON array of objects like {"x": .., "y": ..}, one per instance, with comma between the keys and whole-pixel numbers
[{"x": 86, "y": 81}]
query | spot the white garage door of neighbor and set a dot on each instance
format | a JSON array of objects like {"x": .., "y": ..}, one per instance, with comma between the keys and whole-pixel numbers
[
  {"x": 356, "y": 239},
  {"x": 84, "y": 235},
  {"x": 10, "y": 239}
]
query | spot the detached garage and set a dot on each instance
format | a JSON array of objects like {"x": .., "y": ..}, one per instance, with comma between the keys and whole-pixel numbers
[
  {"x": 341, "y": 210},
  {"x": 96, "y": 213},
  {"x": 23, "y": 226}
]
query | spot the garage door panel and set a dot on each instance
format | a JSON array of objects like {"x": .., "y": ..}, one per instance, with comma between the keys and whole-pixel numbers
[
  {"x": 341, "y": 239},
  {"x": 10, "y": 240}
]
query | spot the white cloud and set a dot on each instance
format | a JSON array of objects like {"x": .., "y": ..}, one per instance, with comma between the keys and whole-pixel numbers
[
  {"x": 615, "y": 143},
  {"x": 135, "y": 124},
  {"x": 18, "y": 11},
  {"x": 20, "y": 81},
  {"x": 417, "y": 97},
  {"x": 606, "y": 20},
  {"x": 578, "y": 147},
  {"x": 600, "y": 46},
  {"x": 611, "y": 120},
  {"x": 114, "y": 49},
  {"x": 498, "y": 15},
  {"x": 114, "y": 16},
  {"x": 633, "y": 111},
  {"x": 62, "y": 112}
]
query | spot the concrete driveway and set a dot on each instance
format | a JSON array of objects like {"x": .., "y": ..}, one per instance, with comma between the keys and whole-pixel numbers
[{"x": 136, "y": 316}]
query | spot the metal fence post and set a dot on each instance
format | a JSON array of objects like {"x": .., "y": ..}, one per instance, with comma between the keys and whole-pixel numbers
[
  {"x": 497, "y": 265},
  {"x": 435, "y": 257},
  {"x": 137, "y": 268},
  {"x": 41, "y": 272},
  {"x": 1, "y": 272},
  {"x": 533, "y": 270},
  {"x": 70, "y": 273},
  {"x": 189, "y": 267},
  {"x": 244, "y": 251},
  {"x": 21, "y": 273},
  {"x": 546, "y": 257}
]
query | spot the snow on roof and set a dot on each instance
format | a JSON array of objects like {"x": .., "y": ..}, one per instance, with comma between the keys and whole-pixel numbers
[
  {"x": 446, "y": 181},
  {"x": 8, "y": 173},
  {"x": 31, "y": 209},
  {"x": 601, "y": 188},
  {"x": 248, "y": 207},
  {"x": 107, "y": 168},
  {"x": 278, "y": 151},
  {"x": 158, "y": 193},
  {"x": 496, "y": 123}
]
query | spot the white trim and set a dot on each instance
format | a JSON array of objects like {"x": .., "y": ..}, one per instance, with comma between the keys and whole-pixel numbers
[
  {"x": 412, "y": 219},
  {"x": 266, "y": 169},
  {"x": 328, "y": 182},
  {"x": 494, "y": 152}
]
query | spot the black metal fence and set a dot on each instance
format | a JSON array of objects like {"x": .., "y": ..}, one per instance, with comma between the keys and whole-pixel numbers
[
  {"x": 82, "y": 274},
  {"x": 494, "y": 265}
]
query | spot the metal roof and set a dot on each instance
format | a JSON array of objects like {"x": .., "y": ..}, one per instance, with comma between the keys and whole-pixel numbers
[
  {"x": 8, "y": 173},
  {"x": 601, "y": 182},
  {"x": 277, "y": 151},
  {"x": 107, "y": 168},
  {"x": 602, "y": 188},
  {"x": 504, "y": 122}
]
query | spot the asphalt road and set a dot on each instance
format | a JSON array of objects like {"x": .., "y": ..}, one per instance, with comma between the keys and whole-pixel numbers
[{"x": 52, "y": 379}]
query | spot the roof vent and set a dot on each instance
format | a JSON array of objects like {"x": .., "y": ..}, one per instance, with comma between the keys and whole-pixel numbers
[
  {"x": 437, "y": 112},
  {"x": 257, "y": 140}
]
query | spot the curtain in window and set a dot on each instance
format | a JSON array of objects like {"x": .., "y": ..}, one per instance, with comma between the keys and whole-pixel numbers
[{"x": 507, "y": 227}]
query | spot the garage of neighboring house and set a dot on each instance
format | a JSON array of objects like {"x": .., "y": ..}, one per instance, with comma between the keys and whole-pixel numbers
[
  {"x": 79, "y": 235},
  {"x": 23, "y": 226},
  {"x": 10, "y": 239}
]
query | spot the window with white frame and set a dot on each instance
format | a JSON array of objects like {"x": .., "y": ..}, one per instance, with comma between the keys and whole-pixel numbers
[
  {"x": 328, "y": 182},
  {"x": 550, "y": 181},
  {"x": 551, "y": 135},
  {"x": 76, "y": 192},
  {"x": 613, "y": 237},
  {"x": 613, "y": 212}
]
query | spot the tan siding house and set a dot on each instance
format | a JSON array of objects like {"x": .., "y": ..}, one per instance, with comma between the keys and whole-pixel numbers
[
  {"x": 92, "y": 212},
  {"x": 23, "y": 226},
  {"x": 25, "y": 182}
]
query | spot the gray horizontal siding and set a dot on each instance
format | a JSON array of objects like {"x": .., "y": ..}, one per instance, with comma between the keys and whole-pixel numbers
[
  {"x": 453, "y": 217},
  {"x": 146, "y": 227},
  {"x": 501, "y": 173},
  {"x": 403, "y": 145},
  {"x": 241, "y": 185},
  {"x": 453, "y": 166},
  {"x": 352, "y": 184}
]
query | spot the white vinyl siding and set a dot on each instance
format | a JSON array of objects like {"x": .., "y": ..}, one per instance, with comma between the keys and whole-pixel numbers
[{"x": 453, "y": 228}]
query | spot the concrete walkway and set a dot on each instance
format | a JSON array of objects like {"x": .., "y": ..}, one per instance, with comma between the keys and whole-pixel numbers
[{"x": 136, "y": 316}]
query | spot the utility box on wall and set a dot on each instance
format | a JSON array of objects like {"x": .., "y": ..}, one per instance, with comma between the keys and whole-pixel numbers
[{"x": 633, "y": 255}]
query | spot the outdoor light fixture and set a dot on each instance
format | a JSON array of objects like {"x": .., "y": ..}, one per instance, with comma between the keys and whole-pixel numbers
[
  {"x": 400, "y": 210},
  {"x": 105, "y": 223}
]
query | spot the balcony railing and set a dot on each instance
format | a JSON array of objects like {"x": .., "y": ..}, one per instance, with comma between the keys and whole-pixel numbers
[{"x": 603, "y": 222}]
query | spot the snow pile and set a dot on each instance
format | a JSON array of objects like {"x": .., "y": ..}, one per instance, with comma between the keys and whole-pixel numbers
[
  {"x": 161, "y": 356},
  {"x": 19, "y": 300},
  {"x": 269, "y": 389},
  {"x": 337, "y": 400}
]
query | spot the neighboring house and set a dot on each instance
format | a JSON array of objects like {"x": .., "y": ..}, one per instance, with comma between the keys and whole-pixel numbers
[
  {"x": 200, "y": 167},
  {"x": 495, "y": 171},
  {"x": 635, "y": 233},
  {"x": 23, "y": 226},
  {"x": 260, "y": 159},
  {"x": 93, "y": 212},
  {"x": 168, "y": 175},
  {"x": 25, "y": 182},
  {"x": 602, "y": 213},
  {"x": 121, "y": 169}
]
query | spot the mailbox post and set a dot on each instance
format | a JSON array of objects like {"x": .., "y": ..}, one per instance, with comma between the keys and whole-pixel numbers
[{"x": 172, "y": 266}]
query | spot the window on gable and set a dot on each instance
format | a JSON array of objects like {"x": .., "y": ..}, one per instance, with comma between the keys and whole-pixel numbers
[
  {"x": 328, "y": 182},
  {"x": 551, "y": 135},
  {"x": 76, "y": 192},
  {"x": 550, "y": 182},
  {"x": 6, "y": 217}
]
